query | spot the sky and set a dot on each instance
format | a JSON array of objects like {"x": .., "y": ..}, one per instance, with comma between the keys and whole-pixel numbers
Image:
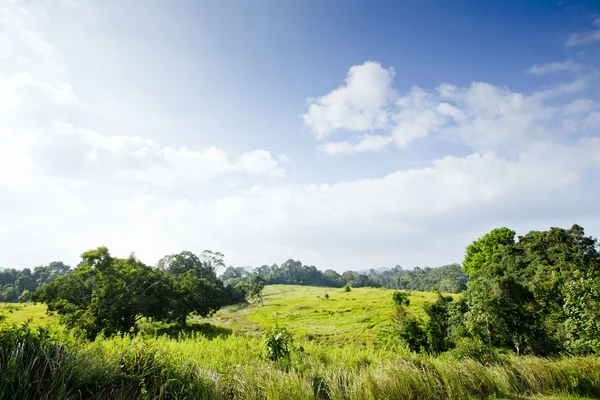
[{"x": 344, "y": 134}]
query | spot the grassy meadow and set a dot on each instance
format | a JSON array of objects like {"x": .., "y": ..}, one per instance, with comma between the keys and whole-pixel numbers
[
  {"x": 343, "y": 349},
  {"x": 361, "y": 316}
]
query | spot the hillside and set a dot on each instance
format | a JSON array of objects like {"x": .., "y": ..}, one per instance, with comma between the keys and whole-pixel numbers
[{"x": 359, "y": 316}]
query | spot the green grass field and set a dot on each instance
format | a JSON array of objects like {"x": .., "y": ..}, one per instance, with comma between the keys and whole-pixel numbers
[
  {"x": 344, "y": 348},
  {"x": 22, "y": 312},
  {"x": 361, "y": 316}
]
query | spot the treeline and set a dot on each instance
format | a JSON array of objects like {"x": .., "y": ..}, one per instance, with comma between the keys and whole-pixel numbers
[
  {"x": 110, "y": 295},
  {"x": 18, "y": 285},
  {"x": 449, "y": 278},
  {"x": 538, "y": 294}
]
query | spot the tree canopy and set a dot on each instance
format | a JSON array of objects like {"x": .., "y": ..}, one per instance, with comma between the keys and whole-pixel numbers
[
  {"x": 109, "y": 294},
  {"x": 537, "y": 295}
]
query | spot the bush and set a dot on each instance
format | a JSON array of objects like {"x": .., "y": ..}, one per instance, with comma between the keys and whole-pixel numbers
[
  {"x": 412, "y": 334},
  {"x": 476, "y": 349},
  {"x": 347, "y": 288},
  {"x": 279, "y": 344},
  {"x": 326, "y": 296}
]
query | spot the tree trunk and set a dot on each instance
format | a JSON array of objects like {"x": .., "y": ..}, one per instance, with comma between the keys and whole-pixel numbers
[{"x": 183, "y": 321}]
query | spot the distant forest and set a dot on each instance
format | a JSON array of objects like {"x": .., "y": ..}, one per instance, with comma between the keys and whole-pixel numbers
[
  {"x": 448, "y": 278},
  {"x": 18, "y": 285}
]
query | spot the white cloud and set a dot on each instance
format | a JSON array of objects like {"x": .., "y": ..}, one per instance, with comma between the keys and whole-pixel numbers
[
  {"x": 417, "y": 117},
  {"x": 359, "y": 104},
  {"x": 544, "y": 69},
  {"x": 581, "y": 38},
  {"x": 67, "y": 184},
  {"x": 482, "y": 116},
  {"x": 261, "y": 162},
  {"x": 365, "y": 144}
]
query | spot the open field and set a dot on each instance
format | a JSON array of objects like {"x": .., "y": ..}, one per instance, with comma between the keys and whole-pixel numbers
[
  {"x": 361, "y": 316},
  {"x": 223, "y": 357}
]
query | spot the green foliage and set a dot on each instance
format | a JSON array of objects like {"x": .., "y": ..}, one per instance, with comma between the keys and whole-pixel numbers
[
  {"x": 193, "y": 285},
  {"x": 234, "y": 367},
  {"x": 17, "y": 286},
  {"x": 401, "y": 299},
  {"x": 197, "y": 366},
  {"x": 279, "y": 344},
  {"x": 582, "y": 312},
  {"x": 438, "y": 324},
  {"x": 480, "y": 253},
  {"x": 110, "y": 295},
  {"x": 475, "y": 349},
  {"x": 256, "y": 287},
  {"x": 411, "y": 333},
  {"x": 538, "y": 295},
  {"x": 347, "y": 289},
  {"x": 447, "y": 279}
]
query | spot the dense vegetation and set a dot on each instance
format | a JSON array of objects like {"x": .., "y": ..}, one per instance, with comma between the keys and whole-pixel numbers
[
  {"x": 449, "y": 278},
  {"x": 539, "y": 294},
  {"x": 110, "y": 295},
  {"x": 528, "y": 323},
  {"x": 18, "y": 285}
]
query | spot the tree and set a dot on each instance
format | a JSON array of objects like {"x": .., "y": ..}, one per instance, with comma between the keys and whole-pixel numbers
[
  {"x": 107, "y": 294},
  {"x": 195, "y": 288},
  {"x": 411, "y": 332},
  {"x": 179, "y": 264},
  {"x": 401, "y": 301},
  {"x": 582, "y": 311},
  {"x": 193, "y": 295},
  {"x": 480, "y": 253},
  {"x": 438, "y": 323},
  {"x": 257, "y": 284}
]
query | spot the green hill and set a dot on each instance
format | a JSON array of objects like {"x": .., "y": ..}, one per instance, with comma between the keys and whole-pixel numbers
[{"x": 359, "y": 316}]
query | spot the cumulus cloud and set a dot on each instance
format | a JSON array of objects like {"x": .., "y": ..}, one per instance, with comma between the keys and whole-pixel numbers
[
  {"x": 67, "y": 185},
  {"x": 359, "y": 104},
  {"x": 582, "y": 38},
  {"x": 482, "y": 116}
]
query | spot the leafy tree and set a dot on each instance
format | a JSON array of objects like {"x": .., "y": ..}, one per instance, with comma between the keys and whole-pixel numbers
[
  {"x": 179, "y": 264},
  {"x": 195, "y": 288},
  {"x": 22, "y": 282},
  {"x": 582, "y": 311},
  {"x": 480, "y": 253},
  {"x": 411, "y": 332},
  {"x": 401, "y": 301},
  {"x": 106, "y": 294},
  {"x": 438, "y": 324},
  {"x": 257, "y": 284},
  {"x": 193, "y": 295}
]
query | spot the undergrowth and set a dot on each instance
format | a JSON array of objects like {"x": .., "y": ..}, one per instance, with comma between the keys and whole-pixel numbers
[{"x": 37, "y": 363}]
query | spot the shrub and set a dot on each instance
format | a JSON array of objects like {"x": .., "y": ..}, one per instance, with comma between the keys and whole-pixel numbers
[
  {"x": 326, "y": 296},
  {"x": 475, "y": 349},
  {"x": 347, "y": 288},
  {"x": 279, "y": 344},
  {"x": 412, "y": 334}
]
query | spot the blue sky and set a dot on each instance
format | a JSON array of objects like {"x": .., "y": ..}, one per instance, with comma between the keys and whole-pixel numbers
[{"x": 346, "y": 134}]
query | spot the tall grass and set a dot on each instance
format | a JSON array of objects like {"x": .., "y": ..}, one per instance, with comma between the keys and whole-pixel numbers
[{"x": 35, "y": 364}]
